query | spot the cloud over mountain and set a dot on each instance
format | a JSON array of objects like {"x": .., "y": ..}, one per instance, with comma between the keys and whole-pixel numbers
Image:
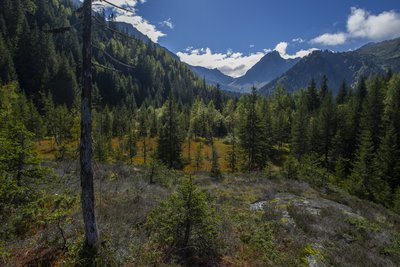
[
  {"x": 234, "y": 64},
  {"x": 231, "y": 63},
  {"x": 131, "y": 17},
  {"x": 282, "y": 47},
  {"x": 364, "y": 24}
]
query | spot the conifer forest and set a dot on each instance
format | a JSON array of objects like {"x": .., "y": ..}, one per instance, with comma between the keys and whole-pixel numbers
[{"x": 114, "y": 152}]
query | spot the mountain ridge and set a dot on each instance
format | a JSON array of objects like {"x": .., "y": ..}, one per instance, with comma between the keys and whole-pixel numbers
[
  {"x": 370, "y": 59},
  {"x": 265, "y": 70}
]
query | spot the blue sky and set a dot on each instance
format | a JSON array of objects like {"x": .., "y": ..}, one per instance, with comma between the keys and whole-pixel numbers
[{"x": 232, "y": 35}]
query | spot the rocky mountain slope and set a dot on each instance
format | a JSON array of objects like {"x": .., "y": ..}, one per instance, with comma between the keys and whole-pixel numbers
[
  {"x": 374, "y": 58},
  {"x": 272, "y": 65}
]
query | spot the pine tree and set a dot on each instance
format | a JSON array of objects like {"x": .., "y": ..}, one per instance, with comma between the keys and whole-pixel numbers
[
  {"x": 299, "y": 128},
  {"x": 360, "y": 181},
  {"x": 215, "y": 168},
  {"x": 131, "y": 144},
  {"x": 170, "y": 141},
  {"x": 199, "y": 156},
  {"x": 189, "y": 137},
  {"x": 266, "y": 118},
  {"x": 326, "y": 121},
  {"x": 251, "y": 136},
  {"x": 323, "y": 89},
  {"x": 389, "y": 149},
  {"x": 387, "y": 166},
  {"x": 185, "y": 224},
  {"x": 153, "y": 123},
  {"x": 312, "y": 96},
  {"x": 313, "y": 136},
  {"x": 281, "y": 108},
  {"x": 7, "y": 71},
  {"x": 231, "y": 156},
  {"x": 143, "y": 132},
  {"x": 373, "y": 110},
  {"x": 342, "y": 95},
  {"x": 356, "y": 105}
]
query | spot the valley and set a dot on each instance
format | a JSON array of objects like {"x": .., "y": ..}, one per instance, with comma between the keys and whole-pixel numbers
[{"x": 120, "y": 145}]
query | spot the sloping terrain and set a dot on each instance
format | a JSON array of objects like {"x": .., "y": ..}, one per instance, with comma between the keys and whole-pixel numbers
[
  {"x": 263, "y": 220},
  {"x": 374, "y": 58},
  {"x": 272, "y": 65}
]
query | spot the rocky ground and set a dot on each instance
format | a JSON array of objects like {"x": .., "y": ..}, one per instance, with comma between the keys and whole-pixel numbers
[{"x": 264, "y": 220}]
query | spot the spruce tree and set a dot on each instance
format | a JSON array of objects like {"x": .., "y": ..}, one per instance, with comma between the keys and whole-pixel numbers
[
  {"x": 360, "y": 182},
  {"x": 7, "y": 71},
  {"x": 342, "y": 94},
  {"x": 373, "y": 110},
  {"x": 143, "y": 131},
  {"x": 323, "y": 89},
  {"x": 131, "y": 144},
  {"x": 215, "y": 168},
  {"x": 169, "y": 140},
  {"x": 251, "y": 136},
  {"x": 281, "y": 108},
  {"x": 299, "y": 128},
  {"x": 231, "y": 156},
  {"x": 312, "y": 96},
  {"x": 199, "y": 157},
  {"x": 326, "y": 123},
  {"x": 387, "y": 166}
]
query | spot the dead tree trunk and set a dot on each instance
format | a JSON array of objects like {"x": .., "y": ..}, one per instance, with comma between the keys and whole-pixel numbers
[{"x": 86, "y": 150}]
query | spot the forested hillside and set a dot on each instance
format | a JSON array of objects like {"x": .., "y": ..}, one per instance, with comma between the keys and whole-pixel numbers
[
  {"x": 46, "y": 60},
  {"x": 184, "y": 174}
]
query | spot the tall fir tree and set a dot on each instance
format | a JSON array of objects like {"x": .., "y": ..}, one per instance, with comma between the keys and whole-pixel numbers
[
  {"x": 312, "y": 95},
  {"x": 342, "y": 94},
  {"x": 169, "y": 145},
  {"x": 327, "y": 125},
  {"x": 251, "y": 136},
  {"x": 323, "y": 90},
  {"x": 299, "y": 127}
]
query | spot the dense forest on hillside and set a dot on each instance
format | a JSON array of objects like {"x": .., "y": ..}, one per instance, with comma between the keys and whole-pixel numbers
[{"x": 153, "y": 117}]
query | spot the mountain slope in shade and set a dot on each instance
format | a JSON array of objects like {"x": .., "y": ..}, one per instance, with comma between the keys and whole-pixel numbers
[
  {"x": 132, "y": 31},
  {"x": 271, "y": 66},
  {"x": 350, "y": 66},
  {"x": 214, "y": 76},
  {"x": 386, "y": 53}
]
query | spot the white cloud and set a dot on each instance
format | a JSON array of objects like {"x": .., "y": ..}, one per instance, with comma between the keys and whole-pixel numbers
[
  {"x": 142, "y": 25},
  {"x": 298, "y": 40},
  {"x": 137, "y": 21},
  {"x": 282, "y": 47},
  {"x": 128, "y": 4},
  {"x": 167, "y": 23},
  {"x": 251, "y": 46},
  {"x": 330, "y": 39},
  {"x": 234, "y": 64},
  {"x": 363, "y": 24},
  {"x": 231, "y": 63}
]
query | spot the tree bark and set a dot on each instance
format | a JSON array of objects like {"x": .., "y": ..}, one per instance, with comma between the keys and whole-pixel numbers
[{"x": 86, "y": 150}]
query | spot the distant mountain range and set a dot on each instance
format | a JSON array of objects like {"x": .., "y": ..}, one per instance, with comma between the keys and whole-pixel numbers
[
  {"x": 373, "y": 58},
  {"x": 293, "y": 74},
  {"x": 268, "y": 68}
]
